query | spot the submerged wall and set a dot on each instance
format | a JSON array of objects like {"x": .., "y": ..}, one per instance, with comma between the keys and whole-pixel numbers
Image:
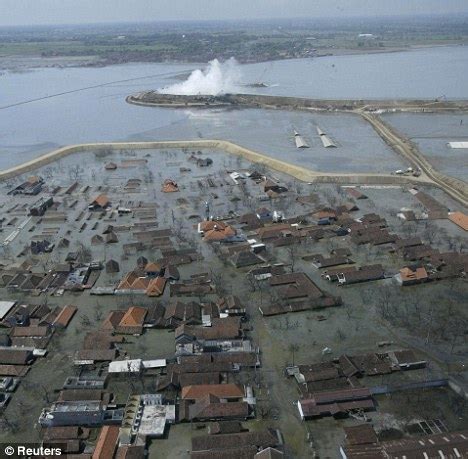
[{"x": 306, "y": 175}]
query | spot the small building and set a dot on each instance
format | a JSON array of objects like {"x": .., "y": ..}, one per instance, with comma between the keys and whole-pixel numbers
[
  {"x": 132, "y": 321},
  {"x": 100, "y": 202},
  {"x": 151, "y": 417},
  {"x": 43, "y": 246},
  {"x": 170, "y": 272},
  {"x": 362, "y": 274},
  {"x": 211, "y": 408},
  {"x": 336, "y": 403},
  {"x": 300, "y": 141},
  {"x": 204, "y": 162},
  {"x": 97, "y": 239},
  {"x": 110, "y": 166},
  {"x": 226, "y": 392},
  {"x": 245, "y": 258},
  {"x": 410, "y": 275},
  {"x": 460, "y": 219},
  {"x": 79, "y": 413},
  {"x": 169, "y": 186},
  {"x": 65, "y": 316},
  {"x": 219, "y": 233},
  {"x": 11, "y": 356},
  {"x": 156, "y": 286},
  {"x": 39, "y": 207},
  {"x": 111, "y": 238},
  {"x": 231, "y": 305},
  {"x": 112, "y": 267},
  {"x": 32, "y": 186},
  {"x": 264, "y": 214},
  {"x": 270, "y": 185},
  {"x": 355, "y": 193},
  {"x": 152, "y": 269}
]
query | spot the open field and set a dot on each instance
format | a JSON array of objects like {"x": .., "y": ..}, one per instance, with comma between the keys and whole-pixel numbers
[{"x": 248, "y": 41}]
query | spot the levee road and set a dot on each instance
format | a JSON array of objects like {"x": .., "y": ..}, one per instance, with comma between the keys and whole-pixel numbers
[{"x": 369, "y": 110}]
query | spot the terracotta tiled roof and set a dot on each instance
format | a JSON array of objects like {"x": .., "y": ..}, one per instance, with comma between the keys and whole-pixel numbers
[
  {"x": 102, "y": 200},
  {"x": 132, "y": 281},
  {"x": 259, "y": 438},
  {"x": 410, "y": 274},
  {"x": 152, "y": 267},
  {"x": 169, "y": 186},
  {"x": 112, "y": 320},
  {"x": 208, "y": 225},
  {"x": 107, "y": 443},
  {"x": 13, "y": 370},
  {"x": 135, "y": 316},
  {"x": 156, "y": 286},
  {"x": 65, "y": 315},
  {"x": 460, "y": 219},
  {"x": 32, "y": 330},
  {"x": 232, "y": 391}
]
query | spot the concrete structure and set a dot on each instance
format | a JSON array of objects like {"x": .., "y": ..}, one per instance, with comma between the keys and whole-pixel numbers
[
  {"x": 327, "y": 142},
  {"x": 299, "y": 140},
  {"x": 457, "y": 145}
]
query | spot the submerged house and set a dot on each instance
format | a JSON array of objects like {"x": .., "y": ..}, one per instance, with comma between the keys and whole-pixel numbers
[{"x": 100, "y": 202}]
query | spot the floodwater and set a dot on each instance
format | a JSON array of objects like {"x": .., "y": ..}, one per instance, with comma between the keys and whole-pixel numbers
[
  {"x": 96, "y": 109},
  {"x": 421, "y": 74},
  {"x": 359, "y": 148},
  {"x": 432, "y": 133}
]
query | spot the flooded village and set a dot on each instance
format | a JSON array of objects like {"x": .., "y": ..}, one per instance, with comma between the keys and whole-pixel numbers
[{"x": 184, "y": 302}]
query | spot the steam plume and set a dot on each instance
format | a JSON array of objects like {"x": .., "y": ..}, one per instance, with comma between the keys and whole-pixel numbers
[{"x": 218, "y": 78}]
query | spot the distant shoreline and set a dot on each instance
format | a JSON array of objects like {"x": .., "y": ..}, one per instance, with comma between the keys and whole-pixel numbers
[{"x": 23, "y": 63}]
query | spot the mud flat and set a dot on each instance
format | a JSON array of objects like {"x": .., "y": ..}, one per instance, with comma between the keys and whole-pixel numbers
[{"x": 156, "y": 99}]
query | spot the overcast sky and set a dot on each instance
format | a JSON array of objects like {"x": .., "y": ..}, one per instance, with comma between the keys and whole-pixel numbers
[{"x": 32, "y": 12}]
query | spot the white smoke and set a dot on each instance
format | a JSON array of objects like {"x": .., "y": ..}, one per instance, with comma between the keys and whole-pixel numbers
[{"x": 218, "y": 78}]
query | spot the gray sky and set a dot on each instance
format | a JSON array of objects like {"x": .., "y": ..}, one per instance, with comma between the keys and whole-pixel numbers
[{"x": 31, "y": 12}]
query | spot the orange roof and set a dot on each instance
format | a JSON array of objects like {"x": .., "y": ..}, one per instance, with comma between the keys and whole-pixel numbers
[
  {"x": 127, "y": 281},
  {"x": 152, "y": 267},
  {"x": 65, "y": 315},
  {"x": 218, "y": 234},
  {"x": 218, "y": 390},
  {"x": 169, "y": 186},
  {"x": 208, "y": 225},
  {"x": 132, "y": 281},
  {"x": 409, "y": 274},
  {"x": 141, "y": 283},
  {"x": 112, "y": 320},
  {"x": 107, "y": 443},
  {"x": 460, "y": 219},
  {"x": 156, "y": 286},
  {"x": 102, "y": 200},
  {"x": 135, "y": 316}
]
